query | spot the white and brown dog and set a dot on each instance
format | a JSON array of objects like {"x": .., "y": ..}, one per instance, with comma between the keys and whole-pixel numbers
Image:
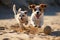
[
  {"x": 37, "y": 14},
  {"x": 20, "y": 16}
]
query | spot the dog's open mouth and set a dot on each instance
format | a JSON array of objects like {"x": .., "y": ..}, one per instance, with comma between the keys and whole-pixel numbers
[
  {"x": 22, "y": 20},
  {"x": 37, "y": 16}
]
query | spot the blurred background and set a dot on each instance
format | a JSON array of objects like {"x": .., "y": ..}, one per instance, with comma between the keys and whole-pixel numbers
[{"x": 6, "y": 12}]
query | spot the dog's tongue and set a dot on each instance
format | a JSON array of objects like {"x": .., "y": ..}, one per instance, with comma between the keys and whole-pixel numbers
[{"x": 37, "y": 16}]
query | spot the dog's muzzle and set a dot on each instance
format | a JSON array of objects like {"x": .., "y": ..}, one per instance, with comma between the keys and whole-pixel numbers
[
  {"x": 37, "y": 13},
  {"x": 21, "y": 18}
]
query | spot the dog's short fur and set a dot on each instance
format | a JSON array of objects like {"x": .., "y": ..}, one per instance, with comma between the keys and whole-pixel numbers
[
  {"x": 20, "y": 16},
  {"x": 37, "y": 14}
]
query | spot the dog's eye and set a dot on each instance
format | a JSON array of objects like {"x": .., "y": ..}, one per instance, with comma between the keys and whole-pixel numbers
[
  {"x": 35, "y": 9},
  {"x": 23, "y": 15},
  {"x": 20, "y": 15},
  {"x": 25, "y": 12},
  {"x": 40, "y": 9}
]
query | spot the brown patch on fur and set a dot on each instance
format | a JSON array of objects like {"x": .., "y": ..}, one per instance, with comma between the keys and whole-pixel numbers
[
  {"x": 42, "y": 7},
  {"x": 32, "y": 6}
]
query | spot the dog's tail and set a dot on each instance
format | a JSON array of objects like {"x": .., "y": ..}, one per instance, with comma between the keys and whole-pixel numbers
[{"x": 14, "y": 9}]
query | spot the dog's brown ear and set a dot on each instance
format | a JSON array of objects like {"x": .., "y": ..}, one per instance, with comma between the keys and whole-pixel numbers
[
  {"x": 32, "y": 6},
  {"x": 43, "y": 6}
]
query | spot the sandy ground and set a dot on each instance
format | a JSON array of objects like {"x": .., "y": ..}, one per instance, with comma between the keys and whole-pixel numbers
[{"x": 51, "y": 20}]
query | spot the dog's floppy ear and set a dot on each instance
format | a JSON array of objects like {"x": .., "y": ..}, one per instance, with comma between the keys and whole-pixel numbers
[
  {"x": 43, "y": 6},
  {"x": 31, "y": 6},
  {"x": 14, "y": 9}
]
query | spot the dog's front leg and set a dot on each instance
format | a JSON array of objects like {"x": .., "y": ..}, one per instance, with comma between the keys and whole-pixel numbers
[
  {"x": 41, "y": 23},
  {"x": 33, "y": 24}
]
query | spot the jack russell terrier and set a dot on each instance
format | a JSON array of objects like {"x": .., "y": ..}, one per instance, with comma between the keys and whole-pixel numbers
[
  {"x": 20, "y": 16},
  {"x": 37, "y": 14}
]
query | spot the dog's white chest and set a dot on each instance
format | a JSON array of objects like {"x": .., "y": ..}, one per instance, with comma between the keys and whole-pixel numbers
[{"x": 38, "y": 22}]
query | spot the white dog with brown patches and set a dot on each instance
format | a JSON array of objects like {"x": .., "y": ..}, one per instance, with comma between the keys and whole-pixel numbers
[
  {"x": 37, "y": 14},
  {"x": 20, "y": 16}
]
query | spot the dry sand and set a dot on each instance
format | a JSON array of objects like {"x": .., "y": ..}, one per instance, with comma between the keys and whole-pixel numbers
[{"x": 52, "y": 21}]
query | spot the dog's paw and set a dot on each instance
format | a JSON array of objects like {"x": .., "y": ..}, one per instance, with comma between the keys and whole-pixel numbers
[{"x": 39, "y": 26}]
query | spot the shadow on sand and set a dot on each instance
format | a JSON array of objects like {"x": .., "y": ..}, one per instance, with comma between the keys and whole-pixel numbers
[{"x": 55, "y": 33}]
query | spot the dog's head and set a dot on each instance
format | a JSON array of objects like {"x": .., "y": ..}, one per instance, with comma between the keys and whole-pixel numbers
[
  {"x": 37, "y": 9},
  {"x": 21, "y": 15}
]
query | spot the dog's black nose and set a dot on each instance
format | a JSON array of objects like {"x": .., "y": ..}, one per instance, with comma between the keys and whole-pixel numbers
[
  {"x": 37, "y": 12},
  {"x": 21, "y": 17}
]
